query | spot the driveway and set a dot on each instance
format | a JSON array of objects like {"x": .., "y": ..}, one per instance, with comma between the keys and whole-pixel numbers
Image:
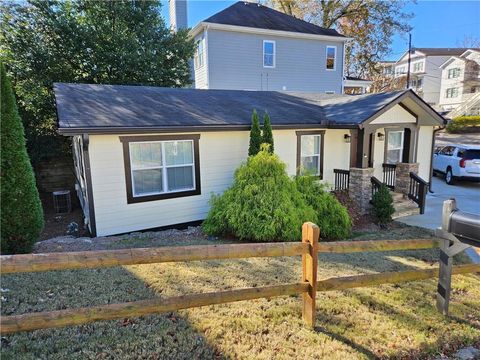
[{"x": 466, "y": 193}]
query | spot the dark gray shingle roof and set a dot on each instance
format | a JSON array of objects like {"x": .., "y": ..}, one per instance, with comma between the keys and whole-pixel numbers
[
  {"x": 85, "y": 106},
  {"x": 258, "y": 16}
]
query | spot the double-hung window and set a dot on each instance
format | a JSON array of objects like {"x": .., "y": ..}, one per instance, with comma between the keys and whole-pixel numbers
[
  {"x": 331, "y": 55},
  {"x": 452, "y": 92},
  {"x": 310, "y": 152},
  {"x": 198, "y": 56},
  {"x": 394, "y": 147},
  {"x": 161, "y": 167},
  {"x": 453, "y": 73},
  {"x": 418, "y": 66},
  {"x": 268, "y": 53}
]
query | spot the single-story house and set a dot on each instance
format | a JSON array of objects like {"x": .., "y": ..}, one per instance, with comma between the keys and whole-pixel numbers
[{"x": 148, "y": 157}]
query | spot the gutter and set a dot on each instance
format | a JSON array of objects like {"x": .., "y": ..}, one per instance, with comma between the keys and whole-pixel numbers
[{"x": 186, "y": 129}]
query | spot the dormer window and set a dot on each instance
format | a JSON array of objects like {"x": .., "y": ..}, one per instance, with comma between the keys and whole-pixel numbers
[
  {"x": 268, "y": 53},
  {"x": 331, "y": 55}
]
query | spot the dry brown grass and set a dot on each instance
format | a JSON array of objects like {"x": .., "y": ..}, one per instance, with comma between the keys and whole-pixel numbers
[{"x": 389, "y": 321}]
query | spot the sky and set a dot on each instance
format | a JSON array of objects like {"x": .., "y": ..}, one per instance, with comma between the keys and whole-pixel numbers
[{"x": 435, "y": 23}]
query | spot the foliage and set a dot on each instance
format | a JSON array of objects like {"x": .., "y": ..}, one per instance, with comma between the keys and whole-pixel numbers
[
  {"x": 255, "y": 135},
  {"x": 263, "y": 203},
  {"x": 114, "y": 42},
  {"x": 371, "y": 24},
  {"x": 332, "y": 217},
  {"x": 382, "y": 202},
  {"x": 267, "y": 135},
  {"x": 464, "y": 124},
  {"x": 21, "y": 210}
]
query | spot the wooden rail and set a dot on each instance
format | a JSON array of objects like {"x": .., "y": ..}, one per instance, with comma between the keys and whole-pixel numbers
[
  {"x": 389, "y": 175},
  {"x": 309, "y": 249},
  {"x": 108, "y": 258},
  {"x": 417, "y": 191},
  {"x": 71, "y": 317}
]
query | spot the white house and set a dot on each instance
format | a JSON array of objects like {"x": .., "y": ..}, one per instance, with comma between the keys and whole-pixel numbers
[
  {"x": 460, "y": 85},
  {"x": 425, "y": 70},
  {"x": 148, "y": 157},
  {"x": 248, "y": 46}
]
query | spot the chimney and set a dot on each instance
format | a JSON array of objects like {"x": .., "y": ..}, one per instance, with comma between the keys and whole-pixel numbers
[{"x": 178, "y": 14}]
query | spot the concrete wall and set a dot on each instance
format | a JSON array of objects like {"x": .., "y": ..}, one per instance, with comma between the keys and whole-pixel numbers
[{"x": 220, "y": 155}]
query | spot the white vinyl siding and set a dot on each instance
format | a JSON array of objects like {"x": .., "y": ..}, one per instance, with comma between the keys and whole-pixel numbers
[
  {"x": 221, "y": 153},
  {"x": 268, "y": 53},
  {"x": 331, "y": 58}
]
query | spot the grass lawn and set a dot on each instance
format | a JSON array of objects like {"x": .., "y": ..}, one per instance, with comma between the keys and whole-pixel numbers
[{"x": 389, "y": 321}]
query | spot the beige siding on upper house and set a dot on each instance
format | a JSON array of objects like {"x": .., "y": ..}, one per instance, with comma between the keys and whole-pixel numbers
[
  {"x": 396, "y": 114},
  {"x": 220, "y": 154}
]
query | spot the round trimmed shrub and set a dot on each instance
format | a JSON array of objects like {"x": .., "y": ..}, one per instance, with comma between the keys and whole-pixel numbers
[
  {"x": 331, "y": 216},
  {"x": 21, "y": 209},
  {"x": 263, "y": 204},
  {"x": 382, "y": 202}
]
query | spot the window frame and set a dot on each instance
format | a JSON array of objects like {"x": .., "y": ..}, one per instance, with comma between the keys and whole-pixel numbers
[
  {"x": 402, "y": 148},
  {"x": 450, "y": 93},
  {"x": 334, "y": 57},
  {"x": 131, "y": 198},
  {"x": 199, "y": 55},
  {"x": 273, "y": 42},
  {"x": 453, "y": 73},
  {"x": 320, "y": 133},
  {"x": 418, "y": 66}
]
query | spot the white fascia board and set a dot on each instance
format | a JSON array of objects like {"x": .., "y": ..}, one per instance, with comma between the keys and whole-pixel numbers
[
  {"x": 353, "y": 83},
  {"x": 450, "y": 59},
  {"x": 267, "y": 32}
]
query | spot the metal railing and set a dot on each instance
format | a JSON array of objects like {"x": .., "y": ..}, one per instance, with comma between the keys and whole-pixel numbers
[
  {"x": 342, "y": 179},
  {"x": 417, "y": 191},
  {"x": 389, "y": 174}
]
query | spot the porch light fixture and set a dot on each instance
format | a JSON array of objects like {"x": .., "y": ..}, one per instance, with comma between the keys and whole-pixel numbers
[
  {"x": 381, "y": 136},
  {"x": 347, "y": 138}
]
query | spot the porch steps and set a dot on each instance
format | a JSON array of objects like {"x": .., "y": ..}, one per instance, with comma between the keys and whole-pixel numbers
[{"x": 403, "y": 206}]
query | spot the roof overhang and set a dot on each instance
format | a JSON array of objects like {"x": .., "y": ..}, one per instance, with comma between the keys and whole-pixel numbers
[
  {"x": 251, "y": 30},
  {"x": 356, "y": 83},
  {"x": 189, "y": 129},
  {"x": 407, "y": 99}
]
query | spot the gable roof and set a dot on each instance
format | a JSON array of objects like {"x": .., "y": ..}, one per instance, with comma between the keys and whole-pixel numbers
[
  {"x": 254, "y": 15},
  {"x": 441, "y": 51},
  {"x": 85, "y": 108},
  {"x": 461, "y": 57}
]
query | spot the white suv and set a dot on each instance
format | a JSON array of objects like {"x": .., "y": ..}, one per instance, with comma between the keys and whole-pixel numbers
[{"x": 457, "y": 162}]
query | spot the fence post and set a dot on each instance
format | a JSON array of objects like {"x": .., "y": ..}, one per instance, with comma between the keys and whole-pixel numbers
[
  {"x": 310, "y": 235},
  {"x": 446, "y": 260}
]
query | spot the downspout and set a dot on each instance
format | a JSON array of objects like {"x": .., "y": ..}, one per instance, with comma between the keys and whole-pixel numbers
[
  {"x": 431, "y": 157},
  {"x": 343, "y": 69},
  {"x": 207, "y": 58}
]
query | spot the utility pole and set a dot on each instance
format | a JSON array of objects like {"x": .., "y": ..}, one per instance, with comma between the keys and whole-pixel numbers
[{"x": 409, "y": 59}]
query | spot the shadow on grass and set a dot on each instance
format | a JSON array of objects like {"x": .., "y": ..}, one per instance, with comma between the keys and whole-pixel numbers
[
  {"x": 359, "y": 348},
  {"x": 160, "y": 336}
]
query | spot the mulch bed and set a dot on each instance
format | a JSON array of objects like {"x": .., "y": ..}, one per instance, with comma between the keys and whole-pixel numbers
[{"x": 56, "y": 225}]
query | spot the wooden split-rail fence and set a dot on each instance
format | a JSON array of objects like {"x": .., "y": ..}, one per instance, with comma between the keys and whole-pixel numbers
[{"x": 307, "y": 287}]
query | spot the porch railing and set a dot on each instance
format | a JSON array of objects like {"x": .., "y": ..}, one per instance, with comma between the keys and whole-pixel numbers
[
  {"x": 342, "y": 179},
  {"x": 389, "y": 174},
  {"x": 375, "y": 185},
  {"x": 418, "y": 191}
]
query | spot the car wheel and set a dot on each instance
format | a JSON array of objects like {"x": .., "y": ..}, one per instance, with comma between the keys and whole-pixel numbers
[{"x": 449, "y": 177}]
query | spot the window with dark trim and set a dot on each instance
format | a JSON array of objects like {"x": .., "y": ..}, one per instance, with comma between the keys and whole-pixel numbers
[
  {"x": 161, "y": 167},
  {"x": 310, "y": 152}
]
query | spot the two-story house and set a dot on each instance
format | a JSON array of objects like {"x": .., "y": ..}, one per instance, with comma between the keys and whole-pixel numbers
[
  {"x": 460, "y": 85},
  {"x": 425, "y": 71},
  {"x": 249, "y": 46}
]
